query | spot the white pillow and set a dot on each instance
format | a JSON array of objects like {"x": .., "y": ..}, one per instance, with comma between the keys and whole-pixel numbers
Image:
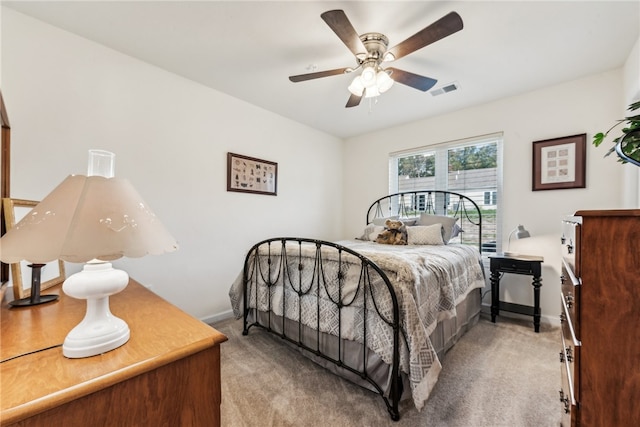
[
  {"x": 381, "y": 221},
  {"x": 425, "y": 235},
  {"x": 447, "y": 223},
  {"x": 371, "y": 231},
  {"x": 410, "y": 221}
]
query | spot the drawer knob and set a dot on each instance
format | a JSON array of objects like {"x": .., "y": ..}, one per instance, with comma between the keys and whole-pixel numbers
[
  {"x": 569, "y": 299},
  {"x": 567, "y": 351},
  {"x": 562, "y": 318},
  {"x": 565, "y": 399},
  {"x": 563, "y": 279}
]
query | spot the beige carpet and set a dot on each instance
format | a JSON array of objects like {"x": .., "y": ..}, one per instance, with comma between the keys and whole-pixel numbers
[{"x": 500, "y": 374}]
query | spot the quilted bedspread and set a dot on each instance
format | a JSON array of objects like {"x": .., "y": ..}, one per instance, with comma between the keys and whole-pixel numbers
[{"x": 428, "y": 281}]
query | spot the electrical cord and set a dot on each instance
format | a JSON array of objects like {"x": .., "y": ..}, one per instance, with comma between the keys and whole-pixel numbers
[
  {"x": 31, "y": 352},
  {"x": 489, "y": 290}
]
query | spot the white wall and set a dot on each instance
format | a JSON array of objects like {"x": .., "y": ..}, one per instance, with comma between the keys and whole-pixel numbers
[
  {"x": 586, "y": 106},
  {"x": 632, "y": 75},
  {"x": 65, "y": 95},
  {"x": 632, "y": 94}
]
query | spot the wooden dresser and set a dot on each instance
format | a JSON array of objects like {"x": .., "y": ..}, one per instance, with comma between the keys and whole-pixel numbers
[
  {"x": 600, "y": 317},
  {"x": 167, "y": 374}
]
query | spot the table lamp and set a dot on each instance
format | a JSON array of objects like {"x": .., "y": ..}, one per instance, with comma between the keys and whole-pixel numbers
[
  {"x": 92, "y": 219},
  {"x": 520, "y": 233}
]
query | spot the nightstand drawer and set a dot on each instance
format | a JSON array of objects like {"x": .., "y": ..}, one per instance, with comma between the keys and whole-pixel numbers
[{"x": 516, "y": 266}]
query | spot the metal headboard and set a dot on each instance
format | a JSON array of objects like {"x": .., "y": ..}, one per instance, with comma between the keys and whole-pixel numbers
[{"x": 412, "y": 204}]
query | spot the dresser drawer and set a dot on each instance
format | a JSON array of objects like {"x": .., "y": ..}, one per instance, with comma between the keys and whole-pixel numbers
[
  {"x": 570, "y": 344},
  {"x": 568, "y": 398},
  {"x": 570, "y": 287},
  {"x": 571, "y": 243}
]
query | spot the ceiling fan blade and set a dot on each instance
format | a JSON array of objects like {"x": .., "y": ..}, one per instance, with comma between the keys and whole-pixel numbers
[
  {"x": 354, "y": 101},
  {"x": 337, "y": 20},
  {"x": 416, "y": 81},
  {"x": 440, "y": 29},
  {"x": 317, "y": 75}
]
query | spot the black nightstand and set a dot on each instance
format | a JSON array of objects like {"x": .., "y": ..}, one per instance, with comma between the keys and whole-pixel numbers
[{"x": 516, "y": 264}]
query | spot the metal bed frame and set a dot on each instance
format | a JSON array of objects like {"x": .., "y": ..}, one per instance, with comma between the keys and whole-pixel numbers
[{"x": 373, "y": 283}]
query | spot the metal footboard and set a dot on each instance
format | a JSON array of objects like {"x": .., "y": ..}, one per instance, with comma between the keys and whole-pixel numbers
[{"x": 281, "y": 275}]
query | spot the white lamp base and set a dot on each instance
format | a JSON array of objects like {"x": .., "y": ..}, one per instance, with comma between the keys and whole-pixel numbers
[{"x": 100, "y": 331}]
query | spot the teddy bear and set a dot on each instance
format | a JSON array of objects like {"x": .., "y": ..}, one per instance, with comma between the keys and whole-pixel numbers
[{"x": 395, "y": 233}]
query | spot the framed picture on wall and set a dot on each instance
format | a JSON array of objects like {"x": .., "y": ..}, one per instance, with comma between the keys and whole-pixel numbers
[
  {"x": 560, "y": 163},
  {"x": 51, "y": 274},
  {"x": 250, "y": 175}
]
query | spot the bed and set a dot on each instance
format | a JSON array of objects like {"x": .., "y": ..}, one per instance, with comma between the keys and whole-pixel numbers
[{"x": 379, "y": 315}]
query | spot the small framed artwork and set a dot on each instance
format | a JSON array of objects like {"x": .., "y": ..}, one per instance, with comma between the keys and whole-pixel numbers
[
  {"x": 51, "y": 274},
  {"x": 560, "y": 163},
  {"x": 251, "y": 175}
]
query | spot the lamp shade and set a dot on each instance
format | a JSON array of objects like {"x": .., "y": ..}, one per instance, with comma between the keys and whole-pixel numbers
[
  {"x": 371, "y": 92},
  {"x": 356, "y": 87},
  {"x": 383, "y": 81},
  {"x": 87, "y": 218},
  {"x": 368, "y": 76},
  {"x": 521, "y": 232}
]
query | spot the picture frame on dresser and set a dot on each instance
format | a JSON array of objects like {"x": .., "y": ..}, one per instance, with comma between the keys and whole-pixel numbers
[
  {"x": 247, "y": 174},
  {"x": 560, "y": 163},
  {"x": 52, "y": 273}
]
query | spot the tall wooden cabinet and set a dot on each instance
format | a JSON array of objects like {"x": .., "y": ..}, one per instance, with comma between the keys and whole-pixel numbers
[{"x": 600, "y": 317}]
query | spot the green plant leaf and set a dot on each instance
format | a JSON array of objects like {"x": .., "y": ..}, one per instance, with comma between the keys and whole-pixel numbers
[
  {"x": 597, "y": 138},
  {"x": 631, "y": 143}
]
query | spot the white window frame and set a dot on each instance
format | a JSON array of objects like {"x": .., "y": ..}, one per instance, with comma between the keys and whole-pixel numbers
[{"x": 441, "y": 173}]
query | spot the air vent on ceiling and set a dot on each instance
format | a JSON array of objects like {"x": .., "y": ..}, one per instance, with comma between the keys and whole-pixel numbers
[{"x": 445, "y": 89}]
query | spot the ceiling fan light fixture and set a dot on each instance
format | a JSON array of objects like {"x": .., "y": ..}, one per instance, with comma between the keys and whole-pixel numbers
[
  {"x": 356, "y": 87},
  {"x": 388, "y": 57},
  {"x": 383, "y": 81},
  {"x": 368, "y": 76},
  {"x": 371, "y": 92}
]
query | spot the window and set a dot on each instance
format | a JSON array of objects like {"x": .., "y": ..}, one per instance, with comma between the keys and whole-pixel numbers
[
  {"x": 472, "y": 167},
  {"x": 490, "y": 197}
]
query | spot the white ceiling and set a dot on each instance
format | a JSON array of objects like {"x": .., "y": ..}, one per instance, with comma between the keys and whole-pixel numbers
[{"x": 248, "y": 49}]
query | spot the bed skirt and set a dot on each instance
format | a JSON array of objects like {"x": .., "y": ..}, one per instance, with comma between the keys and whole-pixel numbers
[{"x": 443, "y": 338}]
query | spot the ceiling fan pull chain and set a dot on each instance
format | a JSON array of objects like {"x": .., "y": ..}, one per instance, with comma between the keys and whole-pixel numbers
[{"x": 372, "y": 101}]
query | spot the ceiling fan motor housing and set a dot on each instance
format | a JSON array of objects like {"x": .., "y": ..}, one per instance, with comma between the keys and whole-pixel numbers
[{"x": 376, "y": 45}]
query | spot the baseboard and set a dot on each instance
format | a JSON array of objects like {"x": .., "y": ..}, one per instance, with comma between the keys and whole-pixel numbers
[
  {"x": 218, "y": 317},
  {"x": 485, "y": 309},
  {"x": 544, "y": 318}
]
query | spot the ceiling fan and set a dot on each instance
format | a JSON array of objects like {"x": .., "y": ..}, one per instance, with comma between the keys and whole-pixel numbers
[{"x": 370, "y": 50}]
